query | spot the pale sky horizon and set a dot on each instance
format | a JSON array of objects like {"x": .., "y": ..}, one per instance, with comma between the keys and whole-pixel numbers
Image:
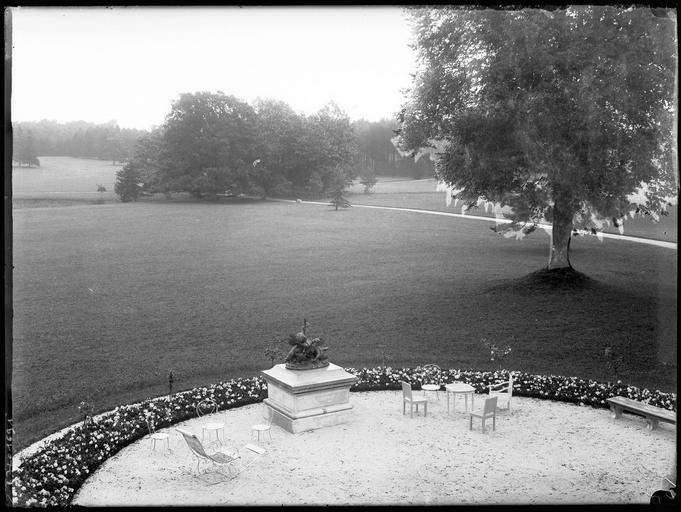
[{"x": 129, "y": 64}]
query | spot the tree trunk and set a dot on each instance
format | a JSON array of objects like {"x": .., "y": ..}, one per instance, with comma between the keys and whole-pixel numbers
[{"x": 560, "y": 238}]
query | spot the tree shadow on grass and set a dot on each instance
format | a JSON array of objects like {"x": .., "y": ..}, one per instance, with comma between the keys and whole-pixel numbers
[
  {"x": 548, "y": 281},
  {"x": 582, "y": 316}
]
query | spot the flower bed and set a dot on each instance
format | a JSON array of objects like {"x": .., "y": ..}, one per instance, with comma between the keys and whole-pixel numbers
[
  {"x": 51, "y": 475},
  {"x": 551, "y": 387}
]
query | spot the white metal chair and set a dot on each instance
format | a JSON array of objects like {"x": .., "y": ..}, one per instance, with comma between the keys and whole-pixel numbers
[
  {"x": 219, "y": 458},
  {"x": 432, "y": 379},
  {"x": 261, "y": 428},
  {"x": 503, "y": 390},
  {"x": 209, "y": 406},
  {"x": 157, "y": 436},
  {"x": 489, "y": 410},
  {"x": 408, "y": 397}
]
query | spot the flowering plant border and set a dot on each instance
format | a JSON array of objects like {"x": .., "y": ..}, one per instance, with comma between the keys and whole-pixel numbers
[{"x": 52, "y": 474}]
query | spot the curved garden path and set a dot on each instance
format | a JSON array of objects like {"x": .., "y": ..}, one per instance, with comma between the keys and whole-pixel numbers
[{"x": 546, "y": 227}]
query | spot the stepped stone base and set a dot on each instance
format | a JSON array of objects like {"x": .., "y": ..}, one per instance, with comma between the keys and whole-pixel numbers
[{"x": 300, "y": 400}]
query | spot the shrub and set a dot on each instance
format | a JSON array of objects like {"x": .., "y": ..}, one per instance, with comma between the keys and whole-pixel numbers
[
  {"x": 128, "y": 181},
  {"x": 368, "y": 179}
]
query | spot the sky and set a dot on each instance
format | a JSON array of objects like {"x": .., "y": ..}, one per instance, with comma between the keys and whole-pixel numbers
[{"x": 129, "y": 64}]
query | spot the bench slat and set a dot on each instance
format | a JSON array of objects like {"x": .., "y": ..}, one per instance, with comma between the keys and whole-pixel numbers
[{"x": 647, "y": 409}]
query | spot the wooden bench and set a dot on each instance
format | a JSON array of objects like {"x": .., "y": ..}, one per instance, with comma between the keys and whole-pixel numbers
[{"x": 652, "y": 414}]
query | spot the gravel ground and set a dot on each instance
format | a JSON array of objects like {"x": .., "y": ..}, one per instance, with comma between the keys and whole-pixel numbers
[{"x": 544, "y": 452}]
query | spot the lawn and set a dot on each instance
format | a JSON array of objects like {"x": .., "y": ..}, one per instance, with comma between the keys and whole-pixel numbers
[
  {"x": 109, "y": 297},
  {"x": 62, "y": 181}
]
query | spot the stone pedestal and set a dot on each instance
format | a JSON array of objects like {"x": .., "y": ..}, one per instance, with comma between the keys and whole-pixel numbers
[{"x": 300, "y": 400}]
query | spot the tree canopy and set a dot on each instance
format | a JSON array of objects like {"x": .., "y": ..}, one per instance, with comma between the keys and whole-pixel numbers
[
  {"x": 209, "y": 139},
  {"x": 563, "y": 116},
  {"x": 280, "y": 147},
  {"x": 212, "y": 142}
]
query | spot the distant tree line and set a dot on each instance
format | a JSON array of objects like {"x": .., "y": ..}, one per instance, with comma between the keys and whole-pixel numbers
[
  {"x": 377, "y": 152},
  {"x": 212, "y": 143},
  {"x": 24, "y": 151},
  {"x": 77, "y": 139}
]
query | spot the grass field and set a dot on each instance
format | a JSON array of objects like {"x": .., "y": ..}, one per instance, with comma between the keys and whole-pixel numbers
[
  {"x": 109, "y": 297},
  {"x": 63, "y": 181}
]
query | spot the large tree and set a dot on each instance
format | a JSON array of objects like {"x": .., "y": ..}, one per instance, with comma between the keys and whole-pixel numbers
[
  {"x": 212, "y": 142},
  {"x": 564, "y": 115},
  {"x": 280, "y": 151},
  {"x": 209, "y": 143},
  {"x": 331, "y": 142}
]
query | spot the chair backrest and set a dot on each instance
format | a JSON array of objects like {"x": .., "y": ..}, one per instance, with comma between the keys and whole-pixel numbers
[
  {"x": 406, "y": 389},
  {"x": 206, "y": 406},
  {"x": 508, "y": 386},
  {"x": 193, "y": 443},
  {"x": 432, "y": 374},
  {"x": 150, "y": 424},
  {"x": 490, "y": 405},
  {"x": 502, "y": 387}
]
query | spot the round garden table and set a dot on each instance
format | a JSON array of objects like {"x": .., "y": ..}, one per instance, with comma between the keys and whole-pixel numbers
[{"x": 460, "y": 388}]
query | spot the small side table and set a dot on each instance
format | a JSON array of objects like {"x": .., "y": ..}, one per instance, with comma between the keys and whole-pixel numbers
[
  {"x": 165, "y": 441},
  {"x": 213, "y": 427},
  {"x": 459, "y": 388},
  {"x": 262, "y": 428}
]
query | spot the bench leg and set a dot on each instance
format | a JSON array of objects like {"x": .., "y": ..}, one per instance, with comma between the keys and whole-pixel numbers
[
  {"x": 651, "y": 423},
  {"x": 616, "y": 411}
]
